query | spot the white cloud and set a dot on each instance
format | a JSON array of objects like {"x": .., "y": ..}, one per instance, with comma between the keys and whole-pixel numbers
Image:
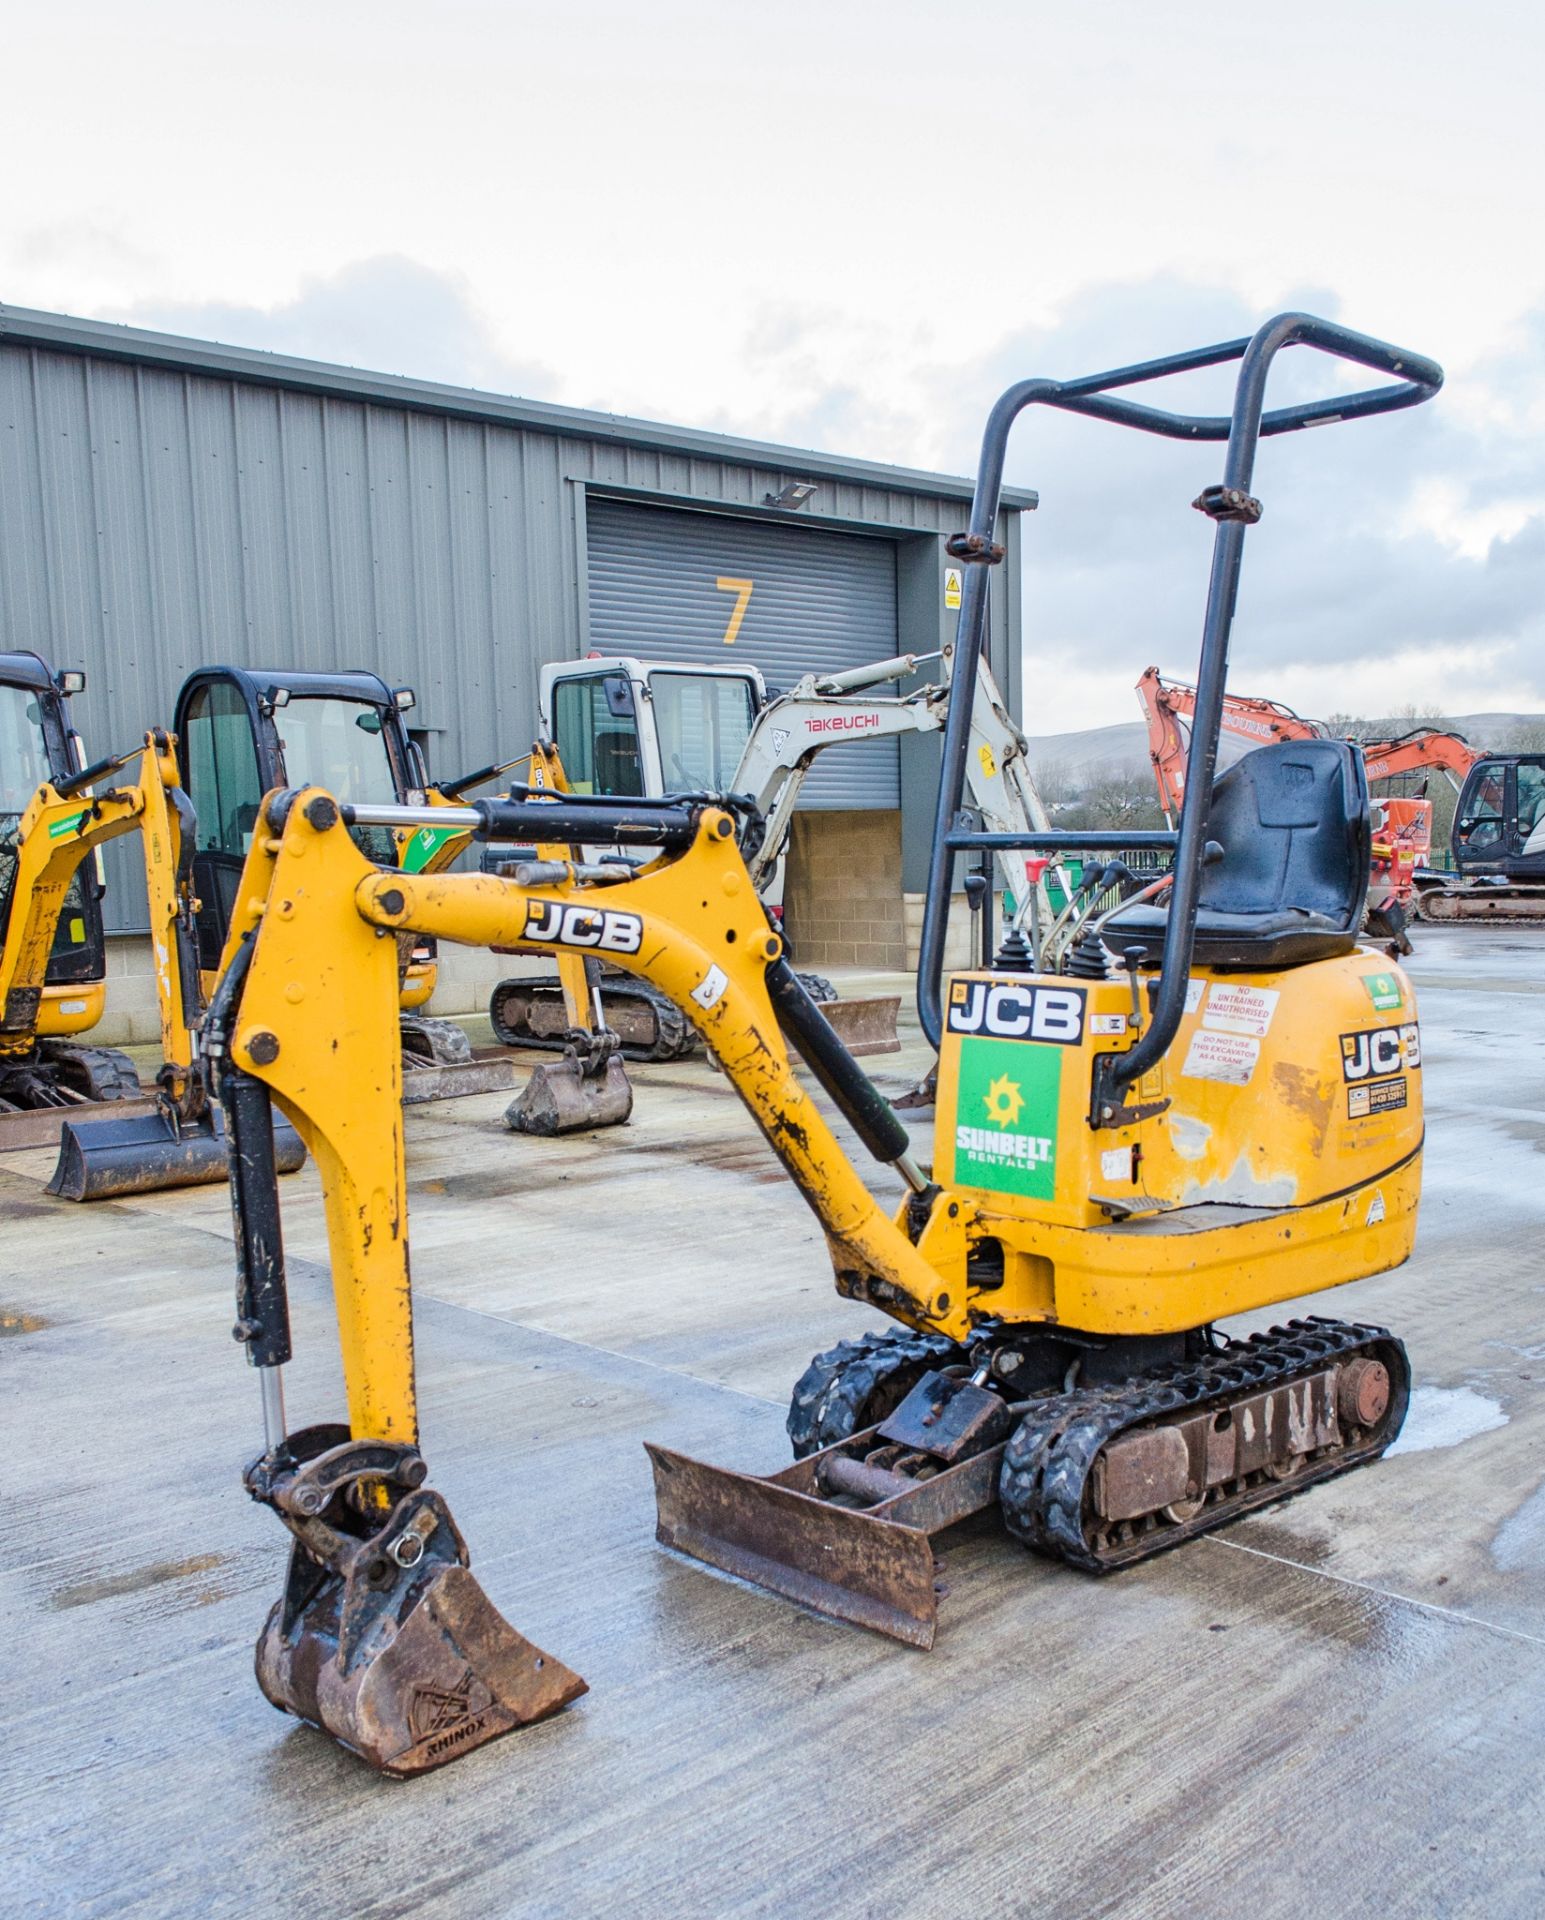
[{"x": 387, "y": 315}]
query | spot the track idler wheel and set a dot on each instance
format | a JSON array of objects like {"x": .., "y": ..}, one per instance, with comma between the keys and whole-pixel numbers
[{"x": 384, "y": 1638}]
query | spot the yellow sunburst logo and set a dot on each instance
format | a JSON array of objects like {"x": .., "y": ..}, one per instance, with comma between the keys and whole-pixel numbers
[{"x": 1003, "y": 1101}]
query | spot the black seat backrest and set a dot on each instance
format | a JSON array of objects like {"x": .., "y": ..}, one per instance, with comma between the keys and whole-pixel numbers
[{"x": 1296, "y": 829}]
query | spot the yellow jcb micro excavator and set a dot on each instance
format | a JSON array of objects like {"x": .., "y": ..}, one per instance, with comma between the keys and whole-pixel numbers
[
  {"x": 247, "y": 730},
  {"x": 48, "y": 843},
  {"x": 1218, "y": 1110}
]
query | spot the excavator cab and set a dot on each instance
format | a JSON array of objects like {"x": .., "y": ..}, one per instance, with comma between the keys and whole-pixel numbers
[
  {"x": 37, "y": 744},
  {"x": 246, "y": 731},
  {"x": 1499, "y": 823},
  {"x": 632, "y": 729}
]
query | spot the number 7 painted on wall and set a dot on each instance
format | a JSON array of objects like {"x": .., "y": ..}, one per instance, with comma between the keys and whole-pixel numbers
[{"x": 742, "y": 592}]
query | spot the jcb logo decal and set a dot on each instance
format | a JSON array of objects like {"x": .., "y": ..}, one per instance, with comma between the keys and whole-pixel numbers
[
  {"x": 555, "y": 924},
  {"x": 1017, "y": 1013},
  {"x": 1383, "y": 1050}
]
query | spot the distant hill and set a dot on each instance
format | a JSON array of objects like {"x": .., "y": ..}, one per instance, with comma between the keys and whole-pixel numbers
[{"x": 1098, "y": 753}]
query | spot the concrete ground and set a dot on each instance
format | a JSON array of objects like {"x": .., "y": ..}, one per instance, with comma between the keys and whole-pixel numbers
[{"x": 1335, "y": 1707}]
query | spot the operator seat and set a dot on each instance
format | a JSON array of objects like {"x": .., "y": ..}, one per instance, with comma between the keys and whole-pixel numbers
[{"x": 1289, "y": 886}]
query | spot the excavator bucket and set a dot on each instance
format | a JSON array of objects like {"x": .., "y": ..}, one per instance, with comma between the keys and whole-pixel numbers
[
  {"x": 152, "y": 1153},
  {"x": 408, "y": 1671},
  {"x": 566, "y": 1097},
  {"x": 383, "y": 1636},
  {"x": 833, "y": 1532}
]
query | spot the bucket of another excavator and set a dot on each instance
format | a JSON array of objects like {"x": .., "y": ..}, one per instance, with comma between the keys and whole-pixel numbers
[
  {"x": 847, "y": 1531},
  {"x": 152, "y": 1153},
  {"x": 568, "y": 1095}
]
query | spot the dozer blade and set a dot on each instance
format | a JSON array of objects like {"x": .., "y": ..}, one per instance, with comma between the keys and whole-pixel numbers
[
  {"x": 151, "y": 1153},
  {"x": 396, "y": 1651},
  {"x": 563, "y": 1098},
  {"x": 870, "y": 1565}
]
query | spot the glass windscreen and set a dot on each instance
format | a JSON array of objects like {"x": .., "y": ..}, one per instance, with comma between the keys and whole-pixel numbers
[
  {"x": 23, "y": 769},
  {"x": 24, "y": 766},
  {"x": 1480, "y": 824},
  {"x": 341, "y": 745},
  {"x": 23, "y": 752},
  {"x": 1530, "y": 776},
  {"x": 597, "y": 743},
  {"x": 223, "y": 779},
  {"x": 703, "y": 721}
]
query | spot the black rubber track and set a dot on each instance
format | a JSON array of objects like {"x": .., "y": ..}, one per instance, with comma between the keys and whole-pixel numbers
[
  {"x": 96, "y": 1073},
  {"x": 675, "y": 1037},
  {"x": 1050, "y": 1456},
  {"x": 857, "y": 1383}
]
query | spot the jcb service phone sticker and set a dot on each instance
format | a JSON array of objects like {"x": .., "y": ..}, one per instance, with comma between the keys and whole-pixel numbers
[{"x": 1383, "y": 1096}]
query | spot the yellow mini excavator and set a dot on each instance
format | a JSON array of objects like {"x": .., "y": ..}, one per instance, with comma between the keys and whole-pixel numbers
[
  {"x": 45, "y": 1065},
  {"x": 1215, "y": 1107},
  {"x": 181, "y": 1140},
  {"x": 247, "y": 730}
]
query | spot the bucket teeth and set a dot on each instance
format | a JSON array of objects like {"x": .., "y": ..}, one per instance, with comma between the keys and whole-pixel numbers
[{"x": 409, "y": 1666}]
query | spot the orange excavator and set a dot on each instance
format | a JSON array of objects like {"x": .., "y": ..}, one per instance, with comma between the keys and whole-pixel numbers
[{"x": 1402, "y": 845}]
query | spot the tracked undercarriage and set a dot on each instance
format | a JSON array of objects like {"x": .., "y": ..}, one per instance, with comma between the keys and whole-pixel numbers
[
  {"x": 532, "y": 1013},
  {"x": 1101, "y": 1476},
  {"x": 57, "y": 1073},
  {"x": 1513, "y": 905}
]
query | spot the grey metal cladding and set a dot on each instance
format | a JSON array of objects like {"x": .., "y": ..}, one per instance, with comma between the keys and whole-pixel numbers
[
  {"x": 108, "y": 341},
  {"x": 166, "y": 505},
  {"x": 816, "y": 597}
]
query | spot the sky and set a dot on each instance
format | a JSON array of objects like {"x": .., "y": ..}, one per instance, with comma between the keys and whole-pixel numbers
[{"x": 848, "y": 225}]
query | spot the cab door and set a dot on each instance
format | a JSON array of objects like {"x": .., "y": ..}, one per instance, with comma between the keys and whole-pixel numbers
[
  {"x": 217, "y": 730},
  {"x": 1527, "y": 820},
  {"x": 599, "y": 740}
]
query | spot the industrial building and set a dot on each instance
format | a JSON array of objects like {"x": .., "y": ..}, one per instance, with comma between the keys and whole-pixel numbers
[{"x": 167, "y": 503}]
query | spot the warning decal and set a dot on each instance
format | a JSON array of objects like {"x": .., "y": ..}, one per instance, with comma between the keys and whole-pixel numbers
[
  {"x": 1232, "y": 1009},
  {"x": 1229, "y": 1057}
]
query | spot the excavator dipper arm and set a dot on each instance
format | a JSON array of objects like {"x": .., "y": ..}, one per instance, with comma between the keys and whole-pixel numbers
[{"x": 307, "y": 1011}]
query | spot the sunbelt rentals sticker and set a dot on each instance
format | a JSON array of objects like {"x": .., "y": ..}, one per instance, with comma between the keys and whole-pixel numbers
[
  {"x": 1383, "y": 989},
  {"x": 1006, "y": 1117}
]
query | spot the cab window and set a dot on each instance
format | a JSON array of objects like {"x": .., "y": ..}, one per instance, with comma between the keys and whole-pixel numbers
[
  {"x": 223, "y": 780},
  {"x": 1531, "y": 799},
  {"x": 23, "y": 752},
  {"x": 704, "y": 721},
  {"x": 341, "y": 745},
  {"x": 596, "y": 732}
]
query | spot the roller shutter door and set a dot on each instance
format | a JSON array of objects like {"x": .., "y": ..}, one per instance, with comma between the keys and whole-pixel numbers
[{"x": 818, "y": 601}]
